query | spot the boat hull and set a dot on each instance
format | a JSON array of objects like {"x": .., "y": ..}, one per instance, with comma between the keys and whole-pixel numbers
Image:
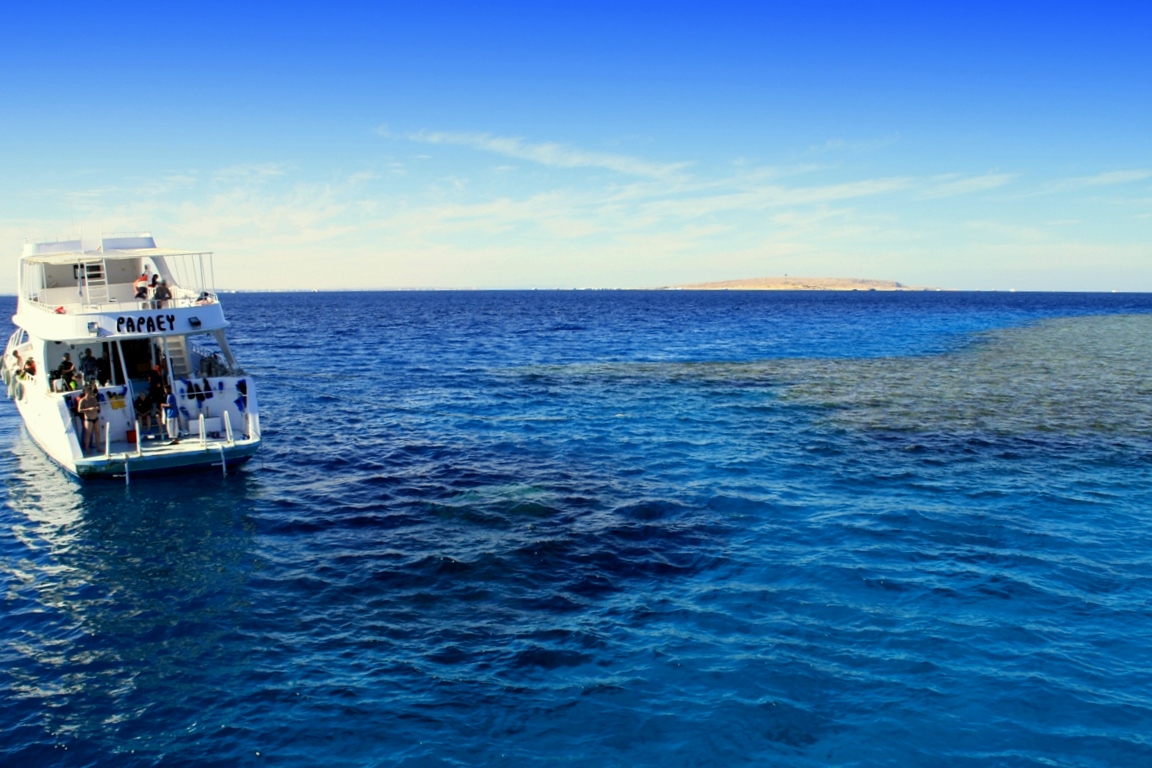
[
  {"x": 160, "y": 457},
  {"x": 208, "y": 457}
]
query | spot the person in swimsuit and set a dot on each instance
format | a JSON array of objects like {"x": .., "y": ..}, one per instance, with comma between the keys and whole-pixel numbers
[{"x": 89, "y": 410}]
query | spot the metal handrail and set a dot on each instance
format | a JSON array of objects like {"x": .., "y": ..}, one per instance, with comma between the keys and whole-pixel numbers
[{"x": 189, "y": 299}]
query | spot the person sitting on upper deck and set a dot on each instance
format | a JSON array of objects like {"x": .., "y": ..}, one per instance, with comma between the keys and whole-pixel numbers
[
  {"x": 162, "y": 294},
  {"x": 140, "y": 286},
  {"x": 29, "y": 368}
]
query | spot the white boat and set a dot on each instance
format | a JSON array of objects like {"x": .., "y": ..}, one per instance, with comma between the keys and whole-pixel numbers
[{"x": 78, "y": 296}]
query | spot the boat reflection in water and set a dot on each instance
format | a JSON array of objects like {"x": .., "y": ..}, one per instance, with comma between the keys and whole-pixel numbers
[{"x": 122, "y": 607}]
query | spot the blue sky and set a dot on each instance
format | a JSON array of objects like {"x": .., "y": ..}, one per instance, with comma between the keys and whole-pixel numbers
[{"x": 342, "y": 145}]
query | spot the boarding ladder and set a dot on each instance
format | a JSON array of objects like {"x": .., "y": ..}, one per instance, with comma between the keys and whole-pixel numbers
[{"x": 95, "y": 282}]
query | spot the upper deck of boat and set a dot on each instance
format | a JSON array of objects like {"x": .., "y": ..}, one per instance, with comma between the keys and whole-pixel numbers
[{"x": 74, "y": 277}]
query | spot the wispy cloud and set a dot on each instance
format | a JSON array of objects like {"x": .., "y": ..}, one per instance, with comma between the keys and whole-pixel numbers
[
  {"x": 855, "y": 145},
  {"x": 772, "y": 195},
  {"x": 954, "y": 184},
  {"x": 547, "y": 153},
  {"x": 485, "y": 221},
  {"x": 249, "y": 172},
  {"x": 1011, "y": 232},
  {"x": 1108, "y": 179}
]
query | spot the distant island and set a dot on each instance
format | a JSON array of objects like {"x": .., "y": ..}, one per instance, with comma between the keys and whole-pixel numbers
[{"x": 801, "y": 284}]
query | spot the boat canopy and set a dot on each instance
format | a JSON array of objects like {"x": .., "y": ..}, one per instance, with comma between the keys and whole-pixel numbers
[
  {"x": 113, "y": 247},
  {"x": 72, "y": 257}
]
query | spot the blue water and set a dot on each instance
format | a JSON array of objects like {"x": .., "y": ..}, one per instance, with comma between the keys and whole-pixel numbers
[{"x": 614, "y": 528}]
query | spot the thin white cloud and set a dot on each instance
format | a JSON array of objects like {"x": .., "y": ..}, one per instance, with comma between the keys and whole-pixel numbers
[
  {"x": 859, "y": 145},
  {"x": 548, "y": 153},
  {"x": 952, "y": 185},
  {"x": 1012, "y": 232},
  {"x": 772, "y": 195},
  {"x": 477, "y": 224},
  {"x": 1107, "y": 179},
  {"x": 362, "y": 177},
  {"x": 249, "y": 172}
]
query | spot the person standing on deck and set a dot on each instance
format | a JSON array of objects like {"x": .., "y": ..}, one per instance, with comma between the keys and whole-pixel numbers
[
  {"x": 89, "y": 410},
  {"x": 88, "y": 365},
  {"x": 171, "y": 414},
  {"x": 156, "y": 386},
  {"x": 103, "y": 370},
  {"x": 161, "y": 295}
]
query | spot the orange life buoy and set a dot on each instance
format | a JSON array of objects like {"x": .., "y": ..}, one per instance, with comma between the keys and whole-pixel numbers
[{"x": 61, "y": 311}]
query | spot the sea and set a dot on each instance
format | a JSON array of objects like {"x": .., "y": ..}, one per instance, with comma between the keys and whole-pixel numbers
[{"x": 613, "y": 528}]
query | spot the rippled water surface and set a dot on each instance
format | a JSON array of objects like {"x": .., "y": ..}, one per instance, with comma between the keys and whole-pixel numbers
[{"x": 614, "y": 528}]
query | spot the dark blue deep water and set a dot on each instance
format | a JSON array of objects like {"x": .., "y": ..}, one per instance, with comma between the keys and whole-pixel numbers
[{"x": 614, "y": 528}]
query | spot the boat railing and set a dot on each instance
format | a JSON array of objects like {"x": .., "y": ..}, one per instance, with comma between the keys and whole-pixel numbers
[
  {"x": 208, "y": 411},
  {"x": 180, "y": 298},
  {"x": 211, "y": 363}
]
